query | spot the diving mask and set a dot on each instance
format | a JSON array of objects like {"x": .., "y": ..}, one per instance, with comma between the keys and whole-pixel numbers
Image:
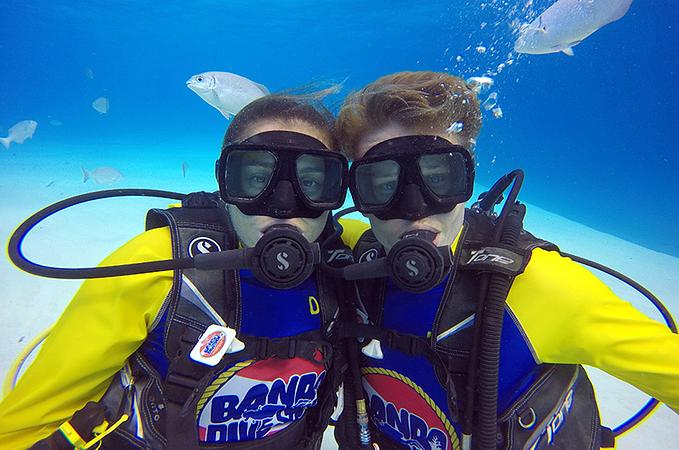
[
  {"x": 282, "y": 174},
  {"x": 412, "y": 177}
]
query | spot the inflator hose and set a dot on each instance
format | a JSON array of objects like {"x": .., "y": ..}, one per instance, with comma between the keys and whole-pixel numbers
[
  {"x": 17, "y": 257},
  {"x": 489, "y": 355}
]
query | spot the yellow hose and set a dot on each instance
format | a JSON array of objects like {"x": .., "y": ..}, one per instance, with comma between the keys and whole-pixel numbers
[{"x": 13, "y": 373}]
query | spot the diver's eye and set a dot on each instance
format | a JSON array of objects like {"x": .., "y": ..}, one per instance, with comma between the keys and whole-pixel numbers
[
  {"x": 257, "y": 179},
  {"x": 388, "y": 187}
]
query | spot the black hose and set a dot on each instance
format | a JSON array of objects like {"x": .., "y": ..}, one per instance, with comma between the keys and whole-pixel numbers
[
  {"x": 468, "y": 422},
  {"x": 493, "y": 291},
  {"x": 489, "y": 354},
  {"x": 17, "y": 257},
  {"x": 667, "y": 316},
  {"x": 651, "y": 404}
]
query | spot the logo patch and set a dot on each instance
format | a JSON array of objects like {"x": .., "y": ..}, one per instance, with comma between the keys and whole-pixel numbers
[
  {"x": 202, "y": 245},
  {"x": 405, "y": 413},
  {"x": 411, "y": 265},
  {"x": 282, "y": 258},
  {"x": 212, "y": 345},
  {"x": 368, "y": 255},
  {"x": 253, "y": 400}
]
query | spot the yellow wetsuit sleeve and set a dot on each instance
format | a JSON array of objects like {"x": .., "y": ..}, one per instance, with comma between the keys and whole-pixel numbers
[
  {"x": 353, "y": 230},
  {"x": 105, "y": 322},
  {"x": 572, "y": 317}
]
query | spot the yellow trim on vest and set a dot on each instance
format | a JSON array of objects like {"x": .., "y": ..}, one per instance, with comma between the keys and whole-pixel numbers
[{"x": 71, "y": 435}]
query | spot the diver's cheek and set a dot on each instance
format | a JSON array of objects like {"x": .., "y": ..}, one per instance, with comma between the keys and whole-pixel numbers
[
  {"x": 387, "y": 232},
  {"x": 313, "y": 227}
]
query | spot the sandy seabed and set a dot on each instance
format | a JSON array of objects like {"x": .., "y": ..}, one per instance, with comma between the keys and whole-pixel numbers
[{"x": 82, "y": 236}]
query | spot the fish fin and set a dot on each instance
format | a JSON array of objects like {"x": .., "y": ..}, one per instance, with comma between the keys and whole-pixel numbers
[
  {"x": 568, "y": 51},
  {"x": 225, "y": 114},
  {"x": 6, "y": 142},
  {"x": 86, "y": 174},
  {"x": 264, "y": 89},
  {"x": 541, "y": 28}
]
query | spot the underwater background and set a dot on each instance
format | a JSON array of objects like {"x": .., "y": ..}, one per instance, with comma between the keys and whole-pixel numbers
[{"x": 596, "y": 133}]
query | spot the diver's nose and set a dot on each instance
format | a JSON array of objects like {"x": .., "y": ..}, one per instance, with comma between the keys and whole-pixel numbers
[
  {"x": 414, "y": 206},
  {"x": 283, "y": 198}
]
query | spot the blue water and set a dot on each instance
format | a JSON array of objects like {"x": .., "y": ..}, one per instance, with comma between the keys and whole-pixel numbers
[{"x": 596, "y": 133}]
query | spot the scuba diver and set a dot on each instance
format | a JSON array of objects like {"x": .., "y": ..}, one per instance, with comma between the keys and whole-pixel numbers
[
  {"x": 474, "y": 333},
  {"x": 233, "y": 348}
]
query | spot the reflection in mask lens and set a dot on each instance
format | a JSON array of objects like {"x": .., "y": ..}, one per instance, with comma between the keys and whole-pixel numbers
[
  {"x": 248, "y": 173},
  {"x": 445, "y": 174},
  {"x": 319, "y": 178},
  {"x": 377, "y": 182}
]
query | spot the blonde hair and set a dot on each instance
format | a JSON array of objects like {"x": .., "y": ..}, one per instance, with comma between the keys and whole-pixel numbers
[{"x": 427, "y": 102}]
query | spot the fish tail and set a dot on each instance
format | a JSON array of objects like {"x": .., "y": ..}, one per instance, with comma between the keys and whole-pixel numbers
[
  {"x": 86, "y": 174},
  {"x": 6, "y": 142}
]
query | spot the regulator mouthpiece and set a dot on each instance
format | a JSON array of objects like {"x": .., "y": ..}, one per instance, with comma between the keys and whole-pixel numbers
[
  {"x": 283, "y": 258},
  {"x": 414, "y": 263}
]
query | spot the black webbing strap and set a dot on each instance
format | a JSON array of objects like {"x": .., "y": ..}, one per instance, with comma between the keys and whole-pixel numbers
[
  {"x": 410, "y": 345},
  {"x": 286, "y": 348},
  {"x": 182, "y": 389}
]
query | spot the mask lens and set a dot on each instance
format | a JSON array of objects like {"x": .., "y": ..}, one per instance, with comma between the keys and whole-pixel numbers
[
  {"x": 445, "y": 174},
  {"x": 248, "y": 172},
  {"x": 319, "y": 178},
  {"x": 377, "y": 182}
]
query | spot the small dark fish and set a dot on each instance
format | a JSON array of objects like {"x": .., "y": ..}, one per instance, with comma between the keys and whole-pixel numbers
[
  {"x": 184, "y": 169},
  {"x": 50, "y": 183}
]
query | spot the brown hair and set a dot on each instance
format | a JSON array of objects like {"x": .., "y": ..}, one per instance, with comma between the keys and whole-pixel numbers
[
  {"x": 287, "y": 110},
  {"x": 429, "y": 102}
]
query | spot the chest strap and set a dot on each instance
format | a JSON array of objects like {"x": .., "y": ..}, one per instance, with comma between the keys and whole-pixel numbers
[{"x": 410, "y": 345}]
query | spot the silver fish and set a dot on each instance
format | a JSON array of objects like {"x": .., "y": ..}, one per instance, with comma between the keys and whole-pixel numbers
[
  {"x": 227, "y": 92},
  {"x": 100, "y": 105},
  {"x": 102, "y": 175},
  {"x": 185, "y": 167},
  {"x": 567, "y": 23},
  {"x": 20, "y": 132}
]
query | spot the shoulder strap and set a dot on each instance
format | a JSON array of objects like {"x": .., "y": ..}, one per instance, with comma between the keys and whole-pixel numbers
[
  {"x": 371, "y": 292},
  {"x": 197, "y": 300}
]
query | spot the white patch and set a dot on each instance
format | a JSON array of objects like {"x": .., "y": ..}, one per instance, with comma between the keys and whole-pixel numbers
[{"x": 213, "y": 344}]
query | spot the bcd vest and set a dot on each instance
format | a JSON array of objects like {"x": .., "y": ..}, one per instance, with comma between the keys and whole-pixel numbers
[
  {"x": 555, "y": 407},
  {"x": 163, "y": 396}
]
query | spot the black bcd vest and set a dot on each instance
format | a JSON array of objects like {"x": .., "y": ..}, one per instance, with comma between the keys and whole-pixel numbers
[
  {"x": 165, "y": 407},
  {"x": 561, "y": 397}
]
